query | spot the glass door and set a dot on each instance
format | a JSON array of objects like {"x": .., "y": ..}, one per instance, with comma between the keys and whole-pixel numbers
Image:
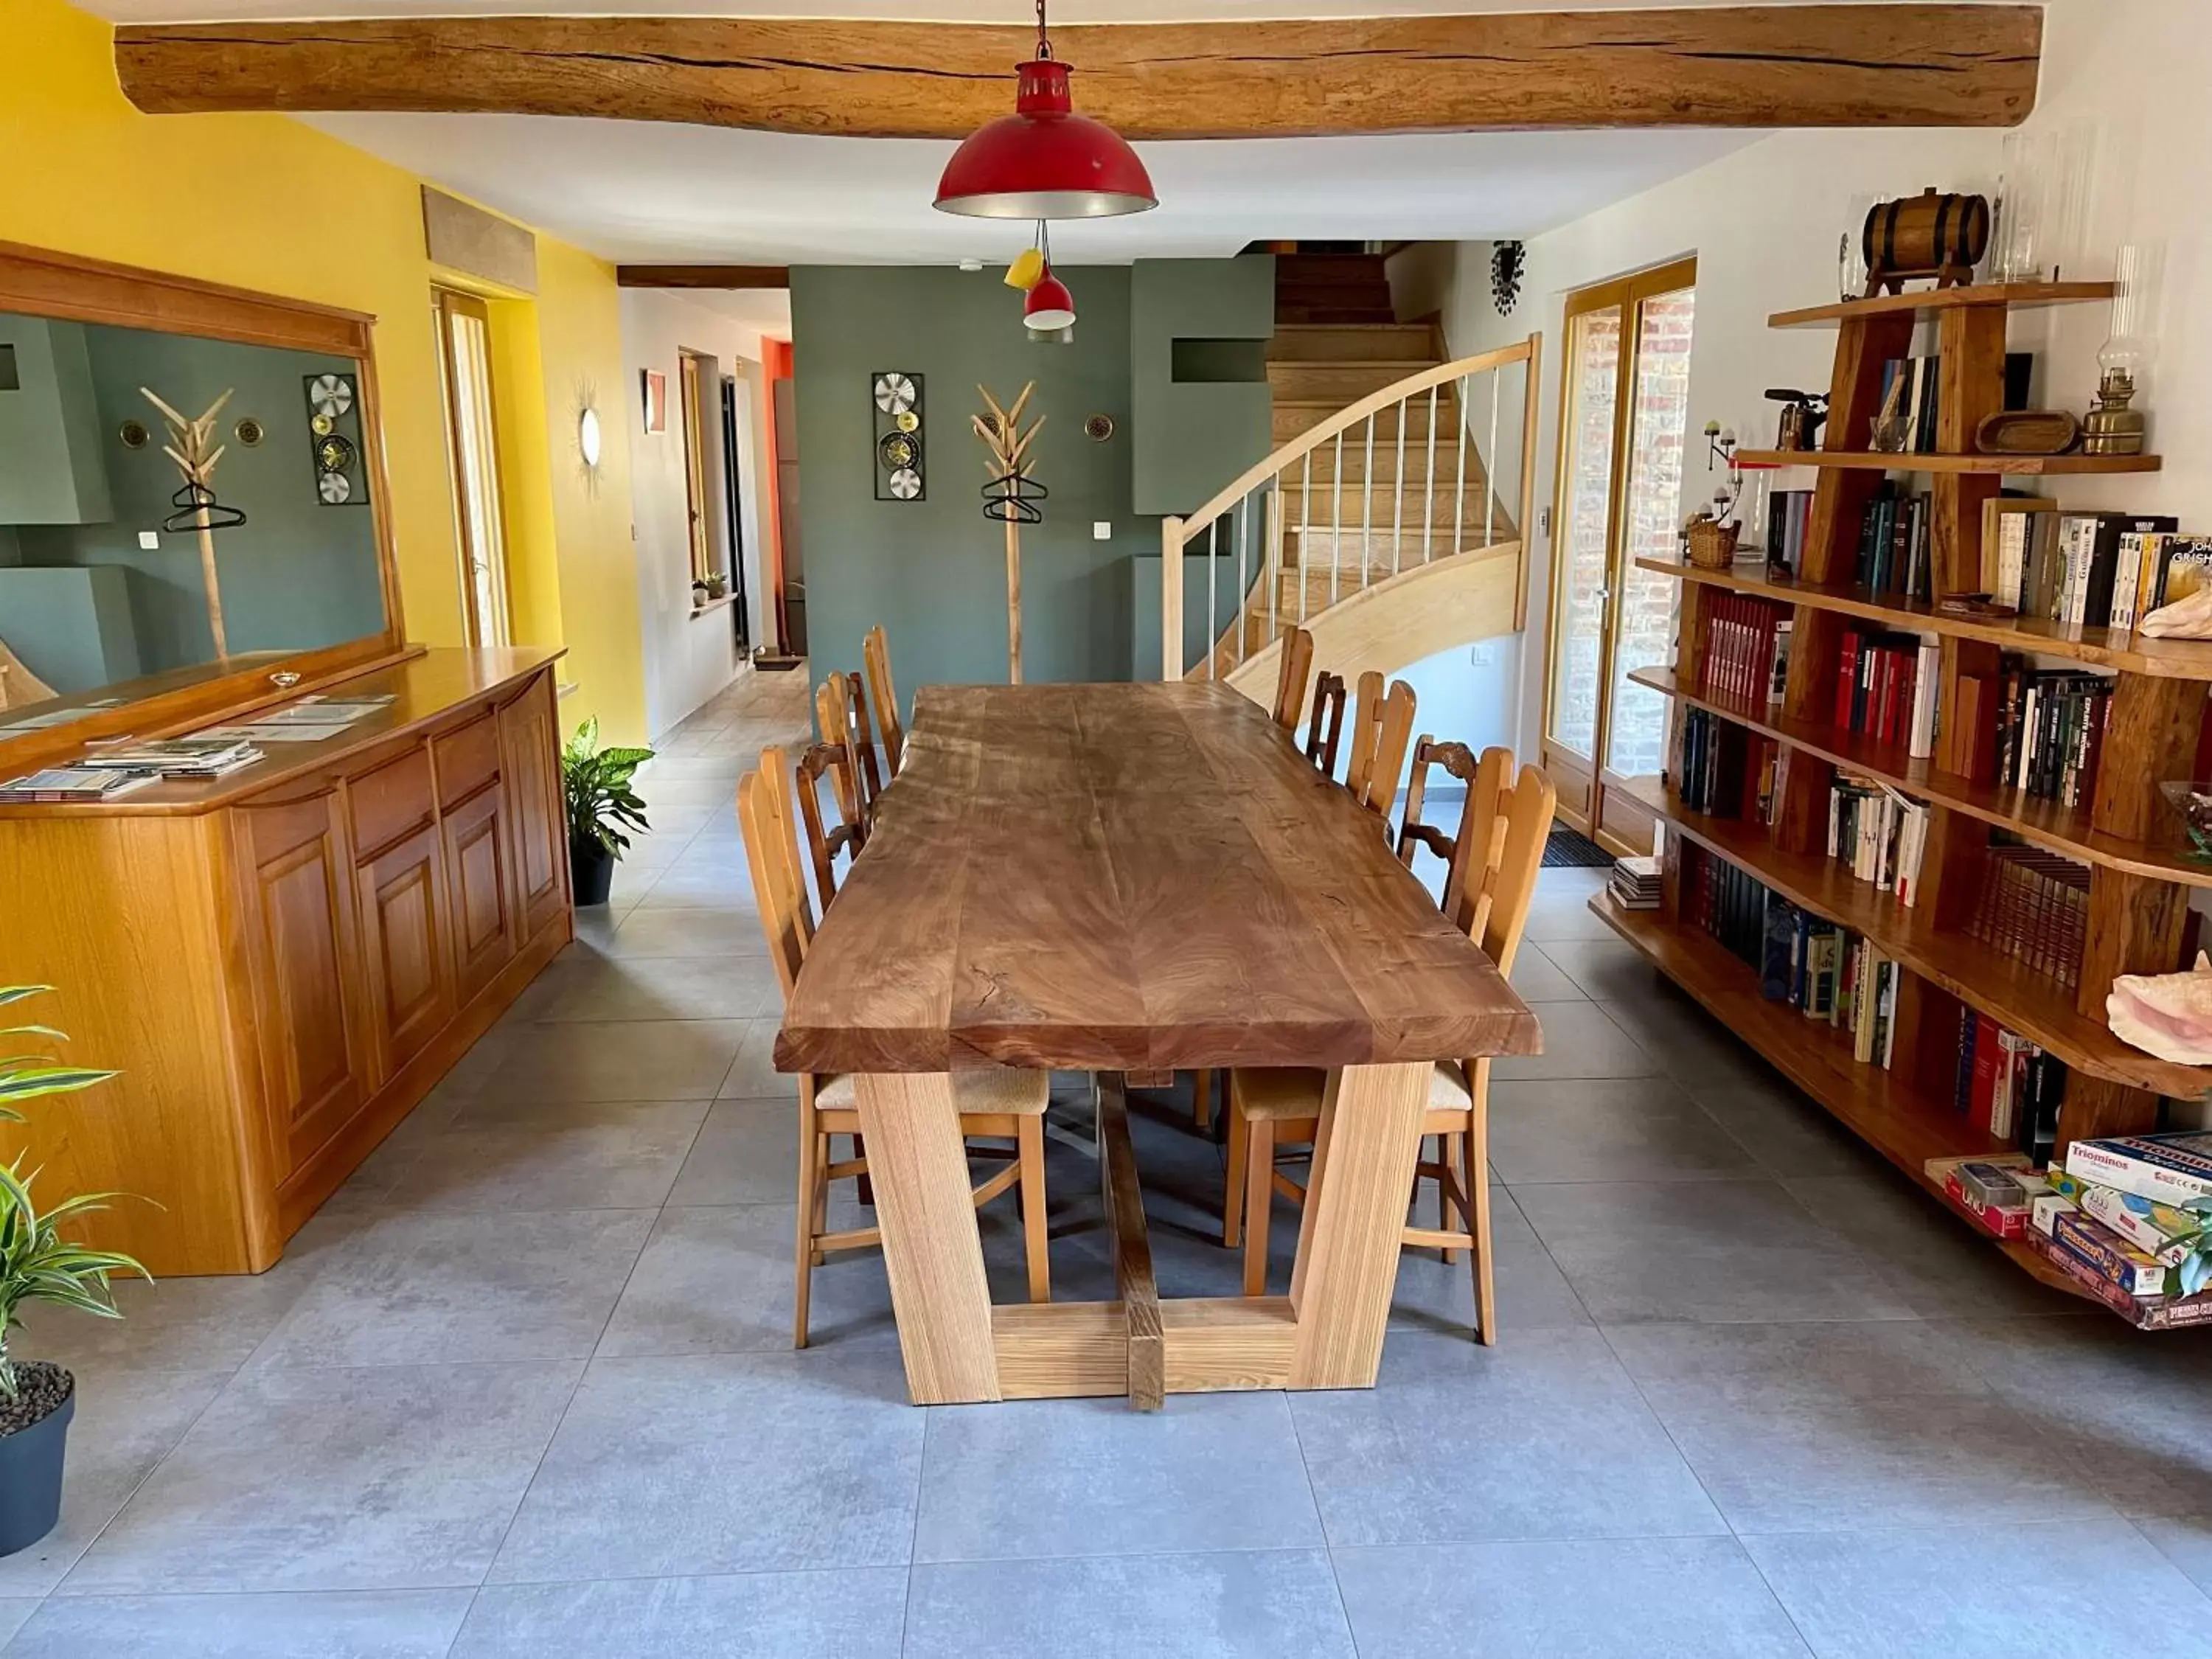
[
  {"x": 464, "y": 355},
  {"x": 1625, "y": 403}
]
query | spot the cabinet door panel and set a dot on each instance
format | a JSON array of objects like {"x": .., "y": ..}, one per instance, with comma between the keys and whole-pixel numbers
[
  {"x": 299, "y": 945},
  {"x": 409, "y": 971},
  {"x": 529, "y": 740},
  {"x": 484, "y": 935}
]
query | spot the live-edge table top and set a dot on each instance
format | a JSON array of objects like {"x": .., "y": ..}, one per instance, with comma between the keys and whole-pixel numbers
[{"x": 1131, "y": 876}]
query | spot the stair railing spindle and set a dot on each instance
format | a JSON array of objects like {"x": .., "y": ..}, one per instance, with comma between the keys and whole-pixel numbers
[
  {"x": 1336, "y": 523},
  {"x": 1429, "y": 479},
  {"x": 1398, "y": 493},
  {"x": 1306, "y": 534},
  {"x": 1367, "y": 506},
  {"x": 1244, "y": 577},
  {"x": 1213, "y": 583},
  {"x": 1490, "y": 467},
  {"x": 1459, "y": 494}
]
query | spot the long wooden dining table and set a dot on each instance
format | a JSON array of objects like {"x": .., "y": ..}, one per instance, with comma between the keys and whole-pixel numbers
[{"x": 1117, "y": 877}]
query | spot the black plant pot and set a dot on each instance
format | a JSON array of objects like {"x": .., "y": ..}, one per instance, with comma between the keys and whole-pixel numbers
[
  {"x": 31, "y": 1478},
  {"x": 590, "y": 870}
]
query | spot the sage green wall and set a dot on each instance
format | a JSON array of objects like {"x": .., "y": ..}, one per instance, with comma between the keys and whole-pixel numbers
[
  {"x": 296, "y": 575},
  {"x": 932, "y": 572},
  {"x": 50, "y": 470},
  {"x": 1192, "y": 436}
]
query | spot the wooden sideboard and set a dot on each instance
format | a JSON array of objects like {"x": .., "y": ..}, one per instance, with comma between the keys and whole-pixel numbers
[{"x": 281, "y": 964}]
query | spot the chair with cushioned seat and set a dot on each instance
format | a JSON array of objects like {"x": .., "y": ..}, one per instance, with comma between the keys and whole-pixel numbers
[
  {"x": 996, "y": 1102},
  {"x": 1496, "y": 859}
]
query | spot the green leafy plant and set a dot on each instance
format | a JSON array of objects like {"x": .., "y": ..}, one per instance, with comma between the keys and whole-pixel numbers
[
  {"x": 2196, "y": 1267},
  {"x": 23, "y": 1077},
  {"x": 597, "y": 784},
  {"x": 37, "y": 1264}
]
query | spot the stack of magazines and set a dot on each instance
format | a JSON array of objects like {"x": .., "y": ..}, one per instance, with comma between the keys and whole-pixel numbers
[
  {"x": 74, "y": 783},
  {"x": 176, "y": 757},
  {"x": 1635, "y": 884}
]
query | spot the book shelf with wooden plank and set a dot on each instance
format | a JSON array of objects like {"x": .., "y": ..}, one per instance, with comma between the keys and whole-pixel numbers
[
  {"x": 2139, "y": 874},
  {"x": 1912, "y": 460}
]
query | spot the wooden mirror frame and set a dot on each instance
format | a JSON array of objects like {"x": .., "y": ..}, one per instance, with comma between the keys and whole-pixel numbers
[{"x": 41, "y": 283}]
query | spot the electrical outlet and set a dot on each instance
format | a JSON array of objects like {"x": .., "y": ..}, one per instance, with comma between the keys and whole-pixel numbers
[
  {"x": 149, "y": 540},
  {"x": 1101, "y": 530}
]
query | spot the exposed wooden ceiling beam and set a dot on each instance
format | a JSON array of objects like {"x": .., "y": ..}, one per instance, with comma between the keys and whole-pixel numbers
[
  {"x": 702, "y": 276},
  {"x": 1937, "y": 65}
]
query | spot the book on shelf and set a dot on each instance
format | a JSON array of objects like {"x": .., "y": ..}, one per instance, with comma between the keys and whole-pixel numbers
[
  {"x": 2019, "y": 553},
  {"x": 1879, "y": 832},
  {"x": 1878, "y": 684},
  {"x": 2040, "y": 730},
  {"x": 63, "y": 785},
  {"x": 1788, "y": 517},
  {"x": 2168, "y": 1168},
  {"x": 2102, "y": 556},
  {"x": 1635, "y": 884},
  {"x": 1726, "y": 770},
  {"x": 2033, "y": 906},
  {"x": 2007, "y": 1087},
  {"x": 1747, "y": 648},
  {"x": 1894, "y": 544},
  {"x": 1909, "y": 416}
]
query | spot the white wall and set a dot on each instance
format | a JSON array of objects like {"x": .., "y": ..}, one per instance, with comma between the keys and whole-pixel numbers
[
  {"x": 688, "y": 658},
  {"x": 1763, "y": 224}
]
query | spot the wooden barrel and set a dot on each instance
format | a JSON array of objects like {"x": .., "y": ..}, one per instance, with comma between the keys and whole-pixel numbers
[{"x": 1930, "y": 234}]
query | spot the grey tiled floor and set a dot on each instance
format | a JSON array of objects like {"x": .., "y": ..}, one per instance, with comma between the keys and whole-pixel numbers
[{"x": 525, "y": 1385}]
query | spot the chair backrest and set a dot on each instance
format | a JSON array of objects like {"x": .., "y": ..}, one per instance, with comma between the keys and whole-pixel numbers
[
  {"x": 1457, "y": 761},
  {"x": 1290, "y": 678},
  {"x": 779, "y": 893},
  {"x": 875, "y": 655},
  {"x": 840, "y": 716},
  {"x": 1326, "y": 727},
  {"x": 1381, "y": 728},
  {"x": 1507, "y": 854},
  {"x": 850, "y": 835}
]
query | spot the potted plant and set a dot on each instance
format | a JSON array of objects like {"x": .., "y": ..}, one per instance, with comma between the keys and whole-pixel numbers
[
  {"x": 601, "y": 806},
  {"x": 717, "y": 585},
  {"x": 37, "y": 1399}
]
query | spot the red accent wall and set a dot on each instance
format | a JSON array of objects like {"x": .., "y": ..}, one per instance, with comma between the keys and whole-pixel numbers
[{"x": 776, "y": 361}]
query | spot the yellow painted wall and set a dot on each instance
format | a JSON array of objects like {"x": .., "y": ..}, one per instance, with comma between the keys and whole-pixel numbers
[{"x": 265, "y": 202}]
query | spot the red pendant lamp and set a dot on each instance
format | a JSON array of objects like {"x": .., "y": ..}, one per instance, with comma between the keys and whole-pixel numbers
[{"x": 1044, "y": 160}]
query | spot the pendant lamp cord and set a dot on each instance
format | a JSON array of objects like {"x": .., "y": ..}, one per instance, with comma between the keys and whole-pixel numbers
[{"x": 1044, "y": 46}]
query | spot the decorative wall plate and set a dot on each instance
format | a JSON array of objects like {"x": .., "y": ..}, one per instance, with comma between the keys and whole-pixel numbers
[
  {"x": 1098, "y": 427},
  {"x": 133, "y": 433},
  {"x": 905, "y": 485},
  {"x": 333, "y": 454},
  {"x": 330, "y": 395},
  {"x": 334, "y": 489},
  {"x": 906, "y": 420},
  {"x": 895, "y": 392},
  {"x": 249, "y": 431},
  {"x": 898, "y": 450}
]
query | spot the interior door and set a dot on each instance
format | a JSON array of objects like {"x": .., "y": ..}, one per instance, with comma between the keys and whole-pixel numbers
[
  {"x": 1624, "y": 410},
  {"x": 479, "y": 513}
]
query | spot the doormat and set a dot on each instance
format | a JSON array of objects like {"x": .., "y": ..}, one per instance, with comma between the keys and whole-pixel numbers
[
  {"x": 1567, "y": 850},
  {"x": 776, "y": 665}
]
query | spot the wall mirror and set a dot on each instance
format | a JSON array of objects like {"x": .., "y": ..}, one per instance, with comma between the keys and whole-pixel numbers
[{"x": 165, "y": 555}]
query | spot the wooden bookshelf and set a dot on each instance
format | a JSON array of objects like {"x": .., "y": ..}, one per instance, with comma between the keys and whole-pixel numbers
[
  {"x": 1878, "y": 460},
  {"x": 2010, "y": 991},
  {"x": 1930, "y": 302},
  {"x": 1883, "y": 1108},
  {"x": 2121, "y": 649},
  {"x": 2140, "y": 872},
  {"x": 2066, "y": 829}
]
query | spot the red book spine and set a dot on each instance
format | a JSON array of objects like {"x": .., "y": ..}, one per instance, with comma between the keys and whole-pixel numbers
[
  {"x": 1847, "y": 678},
  {"x": 1907, "y": 695},
  {"x": 1987, "y": 1058}
]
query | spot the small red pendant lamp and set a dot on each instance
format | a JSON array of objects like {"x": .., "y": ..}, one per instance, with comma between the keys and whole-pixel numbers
[{"x": 1044, "y": 160}]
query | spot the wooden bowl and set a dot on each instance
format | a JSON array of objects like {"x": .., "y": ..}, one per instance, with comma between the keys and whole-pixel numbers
[{"x": 2027, "y": 432}]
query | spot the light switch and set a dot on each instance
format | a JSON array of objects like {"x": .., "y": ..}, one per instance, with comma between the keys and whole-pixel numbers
[
  {"x": 149, "y": 540},
  {"x": 1101, "y": 530}
]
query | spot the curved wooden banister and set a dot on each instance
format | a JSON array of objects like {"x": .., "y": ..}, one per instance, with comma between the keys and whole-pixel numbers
[{"x": 1374, "y": 404}]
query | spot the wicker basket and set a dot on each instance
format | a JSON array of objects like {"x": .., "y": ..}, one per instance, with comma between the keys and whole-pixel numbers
[{"x": 1710, "y": 543}]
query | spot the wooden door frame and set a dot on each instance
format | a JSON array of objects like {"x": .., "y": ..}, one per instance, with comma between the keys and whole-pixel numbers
[
  {"x": 446, "y": 302},
  {"x": 693, "y": 369},
  {"x": 1627, "y": 293}
]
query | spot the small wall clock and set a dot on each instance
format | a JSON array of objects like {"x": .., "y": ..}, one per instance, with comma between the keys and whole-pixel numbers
[
  {"x": 334, "y": 439},
  {"x": 896, "y": 396}
]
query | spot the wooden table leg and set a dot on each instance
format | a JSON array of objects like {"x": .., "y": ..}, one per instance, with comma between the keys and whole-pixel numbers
[
  {"x": 1132, "y": 1249},
  {"x": 1348, "y": 1239},
  {"x": 931, "y": 1250}
]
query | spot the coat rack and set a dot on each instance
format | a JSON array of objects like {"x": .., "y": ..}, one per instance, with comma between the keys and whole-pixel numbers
[
  {"x": 1011, "y": 498},
  {"x": 197, "y": 509}
]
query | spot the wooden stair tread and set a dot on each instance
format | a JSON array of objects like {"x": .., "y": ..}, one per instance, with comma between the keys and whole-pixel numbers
[{"x": 1883, "y": 1108}]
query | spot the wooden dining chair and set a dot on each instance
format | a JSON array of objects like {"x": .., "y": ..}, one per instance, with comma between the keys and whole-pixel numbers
[
  {"x": 1271, "y": 1107},
  {"x": 1483, "y": 779},
  {"x": 996, "y": 1102},
  {"x": 850, "y": 834},
  {"x": 1381, "y": 727},
  {"x": 875, "y": 657},
  {"x": 1325, "y": 728},
  {"x": 840, "y": 716},
  {"x": 1297, "y": 662}
]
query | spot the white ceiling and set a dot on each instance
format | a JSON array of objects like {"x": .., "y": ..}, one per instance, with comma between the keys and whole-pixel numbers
[{"x": 656, "y": 192}]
